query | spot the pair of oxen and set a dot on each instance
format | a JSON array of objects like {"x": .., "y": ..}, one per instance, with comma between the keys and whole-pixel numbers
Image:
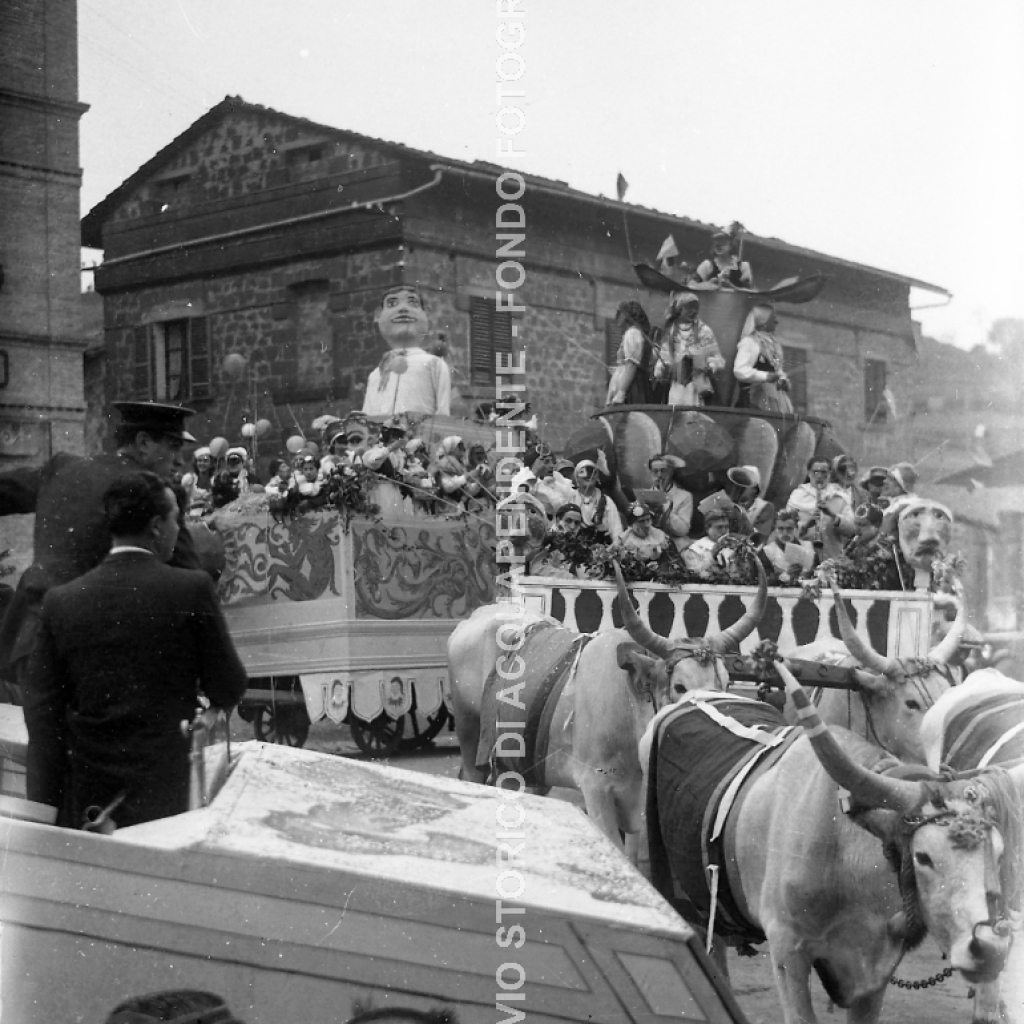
[{"x": 841, "y": 894}]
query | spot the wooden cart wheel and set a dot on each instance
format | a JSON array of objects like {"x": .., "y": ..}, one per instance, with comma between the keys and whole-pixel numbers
[
  {"x": 379, "y": 738},
  {"x": 287, "y": 724},
  {"x": 425, "y": 727}
]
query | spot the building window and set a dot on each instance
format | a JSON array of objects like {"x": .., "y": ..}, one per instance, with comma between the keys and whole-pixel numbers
[
  {"x": 612, "y": 340},
  {"x": 876, "y": 407},
  {"x": 490, "y": 332},
  {"x": 794, "y": 361},
  {"x": 171, "y": 361}
]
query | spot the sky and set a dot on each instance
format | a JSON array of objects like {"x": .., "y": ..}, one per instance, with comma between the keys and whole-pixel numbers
[{"x": 886, "y": 133}]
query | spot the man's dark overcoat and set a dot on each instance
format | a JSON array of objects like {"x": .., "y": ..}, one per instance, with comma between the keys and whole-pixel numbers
[
  {"x": 121, "y": 654},
  {"x": 70, "y": 536}
]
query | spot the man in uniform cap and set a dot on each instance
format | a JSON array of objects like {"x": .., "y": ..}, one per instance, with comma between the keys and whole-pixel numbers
[{"x": 71, "y": 536}]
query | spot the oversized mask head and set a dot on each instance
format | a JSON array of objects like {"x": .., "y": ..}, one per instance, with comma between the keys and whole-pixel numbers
[
  {"x": 402, "y": 318},
  {"x": 925, "y": 531}
]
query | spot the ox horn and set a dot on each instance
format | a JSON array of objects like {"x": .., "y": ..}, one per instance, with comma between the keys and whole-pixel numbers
[
  {"x": 731, "y": 638},
  {"x": 642, "y": 634},
  {"x": 947, "y": 646},
  {"x": 855, "y": 644},
  {"x": 868, "y": 788}
]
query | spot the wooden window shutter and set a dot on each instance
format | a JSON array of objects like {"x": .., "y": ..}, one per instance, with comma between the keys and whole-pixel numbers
[
  {"x": 142, "y": 362},
  {"x": 794, "y": 360},
  {"x": 198, "y": 358},
  {"x": 612, "y": 341},
  {"x": 481, "y": 361},
  {"x": 875, "y": 407},
  {"x": 501, "y": 336}
]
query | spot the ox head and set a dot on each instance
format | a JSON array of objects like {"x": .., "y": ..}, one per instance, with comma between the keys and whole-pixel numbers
[
  {"x": 898, "y": 691},
  {"x": 688, "y": 664},
  {"x": 925, "y": 530},
  {"x": 955, "y": 845}
]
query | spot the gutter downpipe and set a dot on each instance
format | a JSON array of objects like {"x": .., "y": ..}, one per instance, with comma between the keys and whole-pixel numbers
[{"x": 288, "y": 222}]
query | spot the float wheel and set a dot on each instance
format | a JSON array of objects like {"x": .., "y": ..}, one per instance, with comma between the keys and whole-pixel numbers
[
  {"x": 287, "y": 724},
  {"x": 379, "y": 738}
]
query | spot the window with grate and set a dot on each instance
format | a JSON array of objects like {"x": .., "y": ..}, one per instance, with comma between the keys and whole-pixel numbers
[
  {"x": 490, "y": 332},
  {"x": 876, "y": 408},
  {"x": 171, "y": 361},
  {"x": 612, "y": 340},
  {"x": 794, "y": 360}
]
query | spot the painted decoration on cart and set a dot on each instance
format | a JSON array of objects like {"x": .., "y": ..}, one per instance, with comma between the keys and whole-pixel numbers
[
  {"x": 398, "y": 696},
  {"x": 429, "y": 694},
  {"x": 272, "y": 561},
  {"x": 367, "y": 694},
  {"x": 327, "y": 696},
  {"x": 429, "y": 571}
]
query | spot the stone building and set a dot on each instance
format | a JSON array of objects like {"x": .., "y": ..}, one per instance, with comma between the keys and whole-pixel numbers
[
  {"x": 42, "y": 404},
  {"x": 262, "y": 234}
]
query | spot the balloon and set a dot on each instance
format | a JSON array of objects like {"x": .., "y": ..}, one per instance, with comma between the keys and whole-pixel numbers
[
  {"x": 248, "y": 429},
  {"x": 218, "y": 446},
  {"x": 262, "y": 426},
  {"x": 313, "y": 447},
  {"x": 295, "y": 443},
  {"x": 235, "y": 364}
]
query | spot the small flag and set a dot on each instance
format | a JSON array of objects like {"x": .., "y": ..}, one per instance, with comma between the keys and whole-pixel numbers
[
  {"x": 668, "y": 249},
  {"x": 890, "y": 400},
  {"x": 978, "y": 452},
  {"x": 620, "y": 186}
]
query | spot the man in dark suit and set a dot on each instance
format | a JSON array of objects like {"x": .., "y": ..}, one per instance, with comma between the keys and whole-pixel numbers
[
  {"x": 71, "y": 535},
  {"x": 120, "y": 657}
]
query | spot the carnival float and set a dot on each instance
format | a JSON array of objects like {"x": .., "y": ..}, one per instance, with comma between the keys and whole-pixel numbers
[{"x": 307, "y": 886}]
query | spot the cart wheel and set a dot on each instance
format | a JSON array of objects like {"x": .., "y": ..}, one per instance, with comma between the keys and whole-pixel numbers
[
  {"x": 379, "y": 738},
  {"x": 425, "y": 728},
  {"x": 289, "y": 726}
]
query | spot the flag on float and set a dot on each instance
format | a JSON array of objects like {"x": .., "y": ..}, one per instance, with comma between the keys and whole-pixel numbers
[
  {"x": 668, "y": 251},
  {"x": 620, "y": 186},
  {"x": 978, "y": 451},
  {"x": 890, "y": 400}
]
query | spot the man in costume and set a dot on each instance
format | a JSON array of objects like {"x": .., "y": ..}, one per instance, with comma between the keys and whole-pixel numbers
[
  {"x": 676, "y": 514},
  {"x": 408, "y": 379},
  {"x": 71, "y": 535},
  {"x": 120, "y": 657},
  {"x": 724, "y": 266}
]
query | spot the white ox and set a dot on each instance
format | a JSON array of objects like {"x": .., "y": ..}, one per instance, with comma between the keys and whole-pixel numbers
[
  {"x": 605, "y": 707},
  {"x": 892, "y": 695},
  {"x": 818, "y": 883},
  {"x": 996, "y": 737}
]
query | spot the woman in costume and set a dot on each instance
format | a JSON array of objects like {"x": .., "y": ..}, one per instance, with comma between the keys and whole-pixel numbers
[
  {"x": 631, "y": 382},
  {"x": 758, "y": 367},
  {"x": 691, "y": 355}
]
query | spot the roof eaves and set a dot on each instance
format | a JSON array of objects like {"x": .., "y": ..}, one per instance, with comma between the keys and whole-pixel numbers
[{"x": 93, "y": 221}]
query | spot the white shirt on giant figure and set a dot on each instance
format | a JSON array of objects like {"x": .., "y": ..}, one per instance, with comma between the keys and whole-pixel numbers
[
  {"x": 425, "y": 387},
  {"x": 408, "y": 379}
]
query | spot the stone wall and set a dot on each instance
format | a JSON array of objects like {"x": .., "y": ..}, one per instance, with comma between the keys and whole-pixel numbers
[{"x": 43, "y": 401}]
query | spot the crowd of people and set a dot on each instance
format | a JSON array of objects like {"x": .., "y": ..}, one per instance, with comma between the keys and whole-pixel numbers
[
  {"x": 839, "y": 518},
  {"x": 583, "y": 519}
]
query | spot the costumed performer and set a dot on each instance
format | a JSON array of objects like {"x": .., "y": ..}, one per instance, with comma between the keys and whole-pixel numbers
[
  {"x": 690, "y": 353},
  {"x": 724, "y": 266},
  {"x": 758, "y": 366},
  {"x": 631, "y": 382}
]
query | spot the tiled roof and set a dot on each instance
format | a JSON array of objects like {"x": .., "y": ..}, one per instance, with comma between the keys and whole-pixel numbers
[{"x": 93, "y": 221}]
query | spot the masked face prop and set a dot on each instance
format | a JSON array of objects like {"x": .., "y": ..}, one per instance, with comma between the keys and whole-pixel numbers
[
  {"x": 925, "y": 531},
  {"x": 409, "y": 379},
  {"x": 401, "y": 319}
]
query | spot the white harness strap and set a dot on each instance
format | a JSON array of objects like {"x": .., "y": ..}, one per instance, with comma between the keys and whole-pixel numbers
[{"x": 1010, "y": 734}]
